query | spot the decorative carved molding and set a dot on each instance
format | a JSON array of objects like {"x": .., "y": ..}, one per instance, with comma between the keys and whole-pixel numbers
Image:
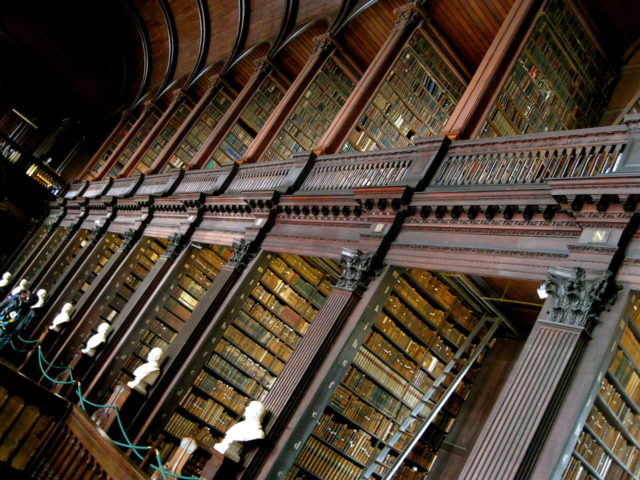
[
  {"x": 579, "y": 296},
  {"x": 409, "y": 15},
  {"x": 357, "y": 269},
  {"x": 242, "y": 253}
]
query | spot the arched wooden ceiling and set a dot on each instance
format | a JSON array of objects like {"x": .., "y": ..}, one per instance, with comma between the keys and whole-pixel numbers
[{"x": 115, "y": 54}]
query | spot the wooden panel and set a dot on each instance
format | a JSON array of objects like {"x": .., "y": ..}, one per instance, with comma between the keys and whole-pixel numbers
[
  {"x": 185, "y": 13},
  {"x": 365, "y": 34},
  {"x": 469, "y": 25},
  {"x": 311, "y": 10},
  {"x": 265, "y": 17},
  {"x": 224, "y": 26},
  {"x": 154, "y": 21}
]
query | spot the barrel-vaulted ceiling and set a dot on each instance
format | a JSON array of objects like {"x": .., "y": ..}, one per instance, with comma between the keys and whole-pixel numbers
[{"x": 113, "y": 54}]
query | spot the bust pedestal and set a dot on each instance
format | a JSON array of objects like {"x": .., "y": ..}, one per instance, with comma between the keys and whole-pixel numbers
[{"x": 128, "y": 402}]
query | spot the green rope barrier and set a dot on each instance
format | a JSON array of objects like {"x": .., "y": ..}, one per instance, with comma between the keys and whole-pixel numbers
[
  {"x": 61, "y": 367},
  {"x": 42, "y": 370},
  {"x": 19, "y": 350},
  {"x": 127, "y": 444},
  {"x": 37, "y": 340}
]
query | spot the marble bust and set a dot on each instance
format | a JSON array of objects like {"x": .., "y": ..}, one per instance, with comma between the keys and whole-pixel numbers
[
  {"x": 96, "y": 340},
  {"x": 147, "y": 373},
  {"x": 23, "y": 285},
  {"x": 245, "y": 431},
  {"x": 6, "y": 279},
  {"x": 63, "y": 317},
  {"x": 41, "y": 296}
]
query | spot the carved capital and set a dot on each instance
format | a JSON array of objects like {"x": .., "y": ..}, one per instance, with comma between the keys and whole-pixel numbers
[
  {"x": 263, "y": 66},
  {"x": 323, "y": 44},
  {"x": 176, "y": 245},
  {"x": 579, "y": 296},
  {"x": 129, "y": 238},
  {"x": 95, "y": 234},
  {"x": 409, "y": 15},
  {"x": 357, "y": 269},
  {"x": 242, "y": 253}
]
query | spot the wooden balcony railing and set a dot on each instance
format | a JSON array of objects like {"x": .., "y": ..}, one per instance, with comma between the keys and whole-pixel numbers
[
  {"x": 259, "y": 177},
  {"x": 367, "y": 169},
  {"x": 43, "y": 436},
  {"x": 532, "y": 159},
  {"x": 434, "y": 162}
]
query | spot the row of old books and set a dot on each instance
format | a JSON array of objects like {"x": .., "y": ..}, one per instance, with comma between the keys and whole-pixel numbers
[
  {"x": 325, "y": 463},
  {"x": 220, "y": 391},
  {"x": 354, "y": 442},
  {"x": 619, "y": 406},
  {"x": 272, "y": 323}
]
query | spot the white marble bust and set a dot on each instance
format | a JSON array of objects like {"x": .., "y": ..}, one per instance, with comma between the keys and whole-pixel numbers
[
  {"x": 245, "y": 431},
  {"x": 63, "y": 317},
  {"x": 42, "y": 297},
  {"x": 96, "y": 340},
  {"x": 23, "y": 285},
  {"x": 6, "y": 279},
  {"x": 147, "y": 373}
]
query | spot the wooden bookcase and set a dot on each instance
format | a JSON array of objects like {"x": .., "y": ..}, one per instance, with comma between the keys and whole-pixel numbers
[
  {"x": 257, "y": 336},
  {"x": 163, "y": 137},
  {"x": 78, "y": 242},
  {"x": 199, "y": 132},
  {"x": 173, "y": 309},
  {"x": 560, "y": 81},
  {"x": 45, "y": 254},
  {"x": 134, "y": 143},
  {"x": 312, "y": 114},
  {"x": 609, "y": 445},
  {"x": 115, "y": 298},
  {"x": 251, "y": 120},
  {"x": 113, "y": 145},
  {"x": 401, "y": 379},
  {"x": 415, "y": 99},
  {"x": 99, "y": 258}
]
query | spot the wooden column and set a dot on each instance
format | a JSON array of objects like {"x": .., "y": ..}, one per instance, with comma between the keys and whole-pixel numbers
[
  {"x": 409, "y": 18},
  {"x": 177, "y": 100},
  {"x": 125, "y": 115},
  {"x": 553, "y": 454},
  {"x": 536, "y": 387},
  {"x": 220, "y": 131},
  {"x": 184, "y": 129},
  {"x": 324, "y": 47},
  {"x": 468, "y": 115},
  {"x": 284, "y": 399},
  {"x": 106, "y": 168},
  {"x": 144, "y": 292},
  {"x": 189, "y": 343}
]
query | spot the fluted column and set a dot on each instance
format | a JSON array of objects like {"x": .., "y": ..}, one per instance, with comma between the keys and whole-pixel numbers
[
  {"x": 324, "y": 47},
  {"x": 176, "y": 102},
  {"x": 536, "y": 386},
  {"x": 125, "y": 116},
  {"x": 408, "y": 19},
  {"x": 188, "y": 345},
  {"x": 495, "y": 66},
  {"x": 122, "y": 324},
  {"x": 220, "y": 131},
  {"x": 147, "y": 110},
  {"x": 184, "y": 129}
]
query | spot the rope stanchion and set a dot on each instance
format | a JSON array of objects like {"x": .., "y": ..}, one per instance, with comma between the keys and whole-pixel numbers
[{"x": 127, "y": 442}]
